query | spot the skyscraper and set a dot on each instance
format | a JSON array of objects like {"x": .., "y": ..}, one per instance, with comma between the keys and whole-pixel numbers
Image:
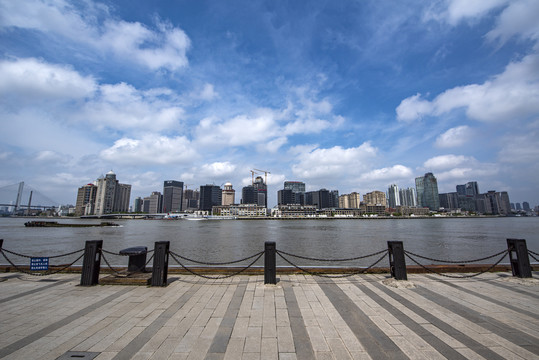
[
  {"x": 210, "y": 196},
  {"x": 256, "y": 193},
  {"x": 408, "y": 197},
  {"x": 393, "y": 196},
  {"x": 111, "y": 196},
  {"x": 172, "y": 196},
  {"x": 297, "y": 189},
  {"x": 427, "y": 191},
  {"x": 86, "y": 200},
  {"x": 375, "y": 198}
]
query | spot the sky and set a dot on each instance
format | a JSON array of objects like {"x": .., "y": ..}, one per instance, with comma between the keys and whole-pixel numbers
[{"x": 344, "y": 95}]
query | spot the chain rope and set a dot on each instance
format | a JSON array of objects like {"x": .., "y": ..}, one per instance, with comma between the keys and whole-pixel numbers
[
  {"x": 119, "y": 274},
  {"x": 50, "y": 257},
  {"x": 48, "y": 272},
  {"x": 458, "y": 276},
  {"x": 259, "y": 255},
  {"x": 455, "y": 261},
  {"x": 332, "y": 260},
  {"x": 216, "y": 263},
  {"x": 531, "y": 254},
  {"x": 333, "y": 276}
]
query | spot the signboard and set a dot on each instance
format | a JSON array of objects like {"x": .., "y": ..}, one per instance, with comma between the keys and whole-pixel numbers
[{"x": 39, "y": 263}]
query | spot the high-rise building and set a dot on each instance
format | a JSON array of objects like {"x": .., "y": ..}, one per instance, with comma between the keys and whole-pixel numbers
[
  {"x": 86, "y": 200},
  {"x": 153, "y": 204},
  {"x": 427, "y": 191},
  {"x": 297, "y": 189},
  {"x": 408, "y": 197},
  {"x": 519, "y": 207},
  {"x": 138, "y": 204},
  {"x": 190, "y": 200},
  {"x": 393, "y": 196},
  {"x": 256, "y": 193},
  {"x": 375, "y": 198},
  {"x": 472, "y": 189},
  {"x": 285, "y": 197},
  {"x": 449, "y": 201},
  {"x": 172, "y": 196},
  {"x": 210, "y": 196},
  {"x": 526, "y": 206},
  {"x": 111, "y": 196},
  {"x": 228, "y": 195},
  {"x": 505, "y": 204},
  {"x": 350, "y": 201}
]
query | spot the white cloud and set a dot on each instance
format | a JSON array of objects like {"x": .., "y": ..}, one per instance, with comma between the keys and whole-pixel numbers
[
  {"x": 162, "y": 47},
  {"x": 448, "y": 161},
  {"x": 48, "y": 156},
  {"x": 509, "y": 96},
  {"x": 519, "y": 18},
  {"x": 388, "y": 174},
  {"x": 123, "y": 107},
  {"x": 458, "y": 10},
  {"x": 151, "y": 149},
  {"x": 454, "y": 137},
  {"x": 214, "y": 169},
  {"x": 31, "y": 80},
  {"x": 413, "y": 108},
  {"x": 335, "y": 162}
]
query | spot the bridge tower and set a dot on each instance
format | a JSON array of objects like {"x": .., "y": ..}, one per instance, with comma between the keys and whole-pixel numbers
[{"x": 19, "y": 196}]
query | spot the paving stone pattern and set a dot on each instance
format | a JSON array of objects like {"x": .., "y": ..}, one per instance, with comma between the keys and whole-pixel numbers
[{"x": 302, "y": 317}]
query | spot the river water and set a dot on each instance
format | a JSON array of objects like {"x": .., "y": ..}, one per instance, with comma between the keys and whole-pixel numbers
[{"x": 228, "y": 240}]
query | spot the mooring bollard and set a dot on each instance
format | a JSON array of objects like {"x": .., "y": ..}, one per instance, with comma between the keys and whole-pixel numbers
[
  {"x": 1, "y": 243},
  {"x": 270, "y": 272},
  {"x": 91, "y": 263},
  {"x": 518, "y": 256},
  {"x": 160, "y": 263},
  {"x": 397, "y": 264}
]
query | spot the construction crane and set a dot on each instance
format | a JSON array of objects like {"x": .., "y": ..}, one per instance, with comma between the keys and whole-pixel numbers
[
  {"x": 265, "y": 175},
  {"x": 253, "y": 176}
]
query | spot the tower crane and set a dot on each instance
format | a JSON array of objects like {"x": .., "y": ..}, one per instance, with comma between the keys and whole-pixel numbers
[
  {"x": 253, "y": 176},
  {"x": 265, "y": 175}
]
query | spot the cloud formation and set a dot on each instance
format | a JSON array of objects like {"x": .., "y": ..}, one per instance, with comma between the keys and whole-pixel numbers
[{"x": 164, "y": 46}]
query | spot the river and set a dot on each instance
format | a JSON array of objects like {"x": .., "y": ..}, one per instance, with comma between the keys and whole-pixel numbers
[{"x": 227, "y": 240}]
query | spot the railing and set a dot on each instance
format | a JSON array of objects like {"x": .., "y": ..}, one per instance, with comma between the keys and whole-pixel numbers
[{"x": 94, "y": 252}]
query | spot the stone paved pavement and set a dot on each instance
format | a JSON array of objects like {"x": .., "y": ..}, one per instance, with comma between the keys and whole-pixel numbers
[{"x": 494, "y": 316}]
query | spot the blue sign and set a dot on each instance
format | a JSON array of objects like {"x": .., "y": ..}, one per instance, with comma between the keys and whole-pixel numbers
[{"x": 39, "y": 263}]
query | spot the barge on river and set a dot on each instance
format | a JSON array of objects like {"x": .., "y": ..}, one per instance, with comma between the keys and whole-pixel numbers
[{"x": 56, "y": 224}]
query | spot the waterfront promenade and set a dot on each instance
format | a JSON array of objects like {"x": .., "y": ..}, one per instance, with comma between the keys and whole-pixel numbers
[{"x": 493, "y": 316}]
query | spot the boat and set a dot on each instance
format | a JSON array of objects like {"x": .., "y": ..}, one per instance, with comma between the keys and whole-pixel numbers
[{"x": 57, "y": 224}]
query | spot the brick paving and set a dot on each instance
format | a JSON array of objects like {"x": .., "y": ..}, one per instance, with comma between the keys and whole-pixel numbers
[{"x": 494, "y": 316}]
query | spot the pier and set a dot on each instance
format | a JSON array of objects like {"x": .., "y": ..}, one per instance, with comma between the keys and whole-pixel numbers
[{"x": 492, "y": 316}]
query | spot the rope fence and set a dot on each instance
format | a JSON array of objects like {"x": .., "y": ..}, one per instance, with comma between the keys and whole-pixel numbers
[
  {"x": 93, "y": 253},
  {"x": 321, "y": 274},
  {"x": 59, "y": 269}
]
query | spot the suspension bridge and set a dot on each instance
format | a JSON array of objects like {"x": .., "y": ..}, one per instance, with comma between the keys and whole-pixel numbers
[{"x": 21, "y": 198}]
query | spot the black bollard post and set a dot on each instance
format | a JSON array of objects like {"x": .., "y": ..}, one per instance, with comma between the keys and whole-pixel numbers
[
  {"x": 397, "y": 264},
  {"x": 1, "y": 243},
  {"x": 270, "y": 272},
  {"x": 160, "y": 263},
  {"x": 91, "y": 263},
  {"x": 518, "y": 256}
]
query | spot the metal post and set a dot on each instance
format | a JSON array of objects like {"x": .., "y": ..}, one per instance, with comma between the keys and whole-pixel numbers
[
  {"x": 91, "y": 263},
  {"x": 270, "y": 272},
  {"x": 1, "y": 243},
  {"x": 397, "y": 264},
  {"x": 160, "y": 263},
  {"x": 518, "y": 256}
]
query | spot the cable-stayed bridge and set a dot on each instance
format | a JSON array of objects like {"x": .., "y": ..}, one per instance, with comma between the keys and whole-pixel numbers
[{"x": 22, "y": 197}]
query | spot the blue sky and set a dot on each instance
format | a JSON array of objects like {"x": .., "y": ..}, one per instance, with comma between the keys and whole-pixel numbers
[{"x": 352, "y": 96}]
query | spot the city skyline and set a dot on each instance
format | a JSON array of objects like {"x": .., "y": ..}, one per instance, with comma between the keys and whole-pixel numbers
[{"x": 353, "y": 97}]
